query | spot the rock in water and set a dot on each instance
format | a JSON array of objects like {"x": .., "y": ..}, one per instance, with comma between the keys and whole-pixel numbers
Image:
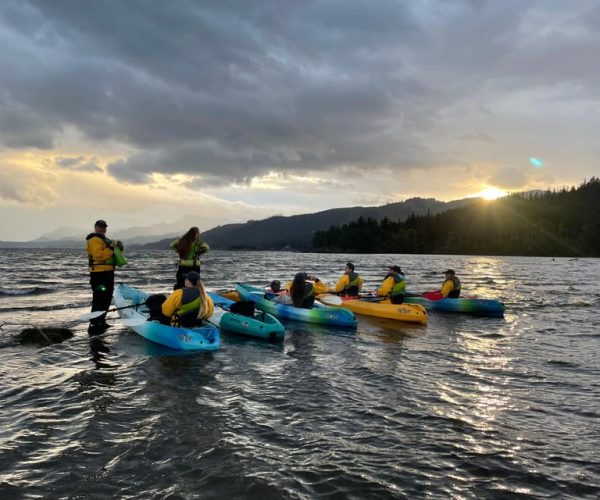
[{"x": 44, "y": 335}]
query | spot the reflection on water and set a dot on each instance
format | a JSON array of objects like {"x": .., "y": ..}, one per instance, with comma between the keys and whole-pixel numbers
[{"x": 463, "y": 407}]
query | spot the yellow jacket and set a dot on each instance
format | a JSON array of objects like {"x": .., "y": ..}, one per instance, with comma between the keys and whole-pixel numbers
[
  {"x": 318, "y": 286},
  {"x": 99, "y": 254},
  {"x": 344, "y": 281},
  {"x": 173, "y": 304}
]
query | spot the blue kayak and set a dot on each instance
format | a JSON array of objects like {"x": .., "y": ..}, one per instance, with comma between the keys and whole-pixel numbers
[
  {"x": 261, "y": 325},
  {"x": 476, "y": 307},
  {"x": 319, "y": 313},
  {"x": 203, "y": 338}
]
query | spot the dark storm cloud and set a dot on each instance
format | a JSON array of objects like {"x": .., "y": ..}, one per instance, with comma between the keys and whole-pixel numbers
[
  {"x": 79, "y": 163},
  {"x": 231, "y": 90}
]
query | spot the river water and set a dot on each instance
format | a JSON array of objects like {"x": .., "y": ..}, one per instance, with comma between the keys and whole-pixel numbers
[{"x": 464, "y": 407}]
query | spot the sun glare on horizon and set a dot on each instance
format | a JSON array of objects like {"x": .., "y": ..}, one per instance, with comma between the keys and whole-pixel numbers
[{"x": 492, "y": 193}]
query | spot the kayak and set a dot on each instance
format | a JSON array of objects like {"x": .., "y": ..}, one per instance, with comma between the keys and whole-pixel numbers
[
  {"x": 231, "y": 295},
  {"x": 410, "y": 313},
  {"x": 262, "y": 325},
  {"x": 476, "y": 307},
  {"x": 319, "y": 313},
  {"x": 203, "y": 338}
]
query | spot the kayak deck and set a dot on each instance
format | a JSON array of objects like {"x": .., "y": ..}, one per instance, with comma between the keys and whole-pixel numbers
[{"x": 409, "y": 313}]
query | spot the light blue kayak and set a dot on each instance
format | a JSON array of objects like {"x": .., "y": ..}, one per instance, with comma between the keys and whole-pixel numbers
[
  {"x": 262, "y": 325},
  {"x": 204, "y": 338},
  {"x": 318, "y": 314}
]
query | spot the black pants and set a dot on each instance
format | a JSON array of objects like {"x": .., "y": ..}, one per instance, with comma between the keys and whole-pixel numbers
[
  {"x": 102, "y": 284},
  {"x": 398, "y": 299},
  {"x": 180, "y": 276}
]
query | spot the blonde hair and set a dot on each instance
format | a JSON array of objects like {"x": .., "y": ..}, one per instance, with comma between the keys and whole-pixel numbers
[{"x": 203, "y": 309}]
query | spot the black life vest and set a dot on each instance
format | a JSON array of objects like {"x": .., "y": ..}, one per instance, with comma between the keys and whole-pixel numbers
[
  {"x": 353, "y": 282},
  {"x": 187, "y": 314}
]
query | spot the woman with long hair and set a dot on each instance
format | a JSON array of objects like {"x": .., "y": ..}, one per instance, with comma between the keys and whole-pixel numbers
[
  {"x": 302, "y": 292},
  {"x": 189, "y": 305},
  {"x": 189, "y": 248}
]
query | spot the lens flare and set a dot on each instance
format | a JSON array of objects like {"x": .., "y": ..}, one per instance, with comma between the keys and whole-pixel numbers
[
  {"x": 536, "y": 162},
  {"x": 492, "y": 193}
]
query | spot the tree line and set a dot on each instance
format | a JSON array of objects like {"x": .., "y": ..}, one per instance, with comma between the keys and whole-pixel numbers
[{"x": 563, "y": 222}]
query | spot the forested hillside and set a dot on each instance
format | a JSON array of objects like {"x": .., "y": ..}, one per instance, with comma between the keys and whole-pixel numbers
[{"x": 551, "y": 223}]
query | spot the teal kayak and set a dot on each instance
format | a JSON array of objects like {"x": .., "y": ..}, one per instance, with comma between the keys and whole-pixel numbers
[
  {"x": 476, "y": 307},
  {"x": 203, "y": 338},
  {"x": 261, "y": 325},
  {"x": 318, "y": 314}
]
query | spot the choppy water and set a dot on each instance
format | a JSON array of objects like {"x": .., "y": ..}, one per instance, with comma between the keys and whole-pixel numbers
[{"x": 461, "y": 408}]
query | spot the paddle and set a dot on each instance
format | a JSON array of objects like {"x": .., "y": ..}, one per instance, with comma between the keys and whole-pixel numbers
[
  {"x": 330, "y": 300},
  {"x": 97, "y": 314}
]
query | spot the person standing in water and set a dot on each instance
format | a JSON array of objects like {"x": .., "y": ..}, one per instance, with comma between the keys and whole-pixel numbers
[
  {"x": 189, "y": 248},
  {"x": 101, "y": 259}
]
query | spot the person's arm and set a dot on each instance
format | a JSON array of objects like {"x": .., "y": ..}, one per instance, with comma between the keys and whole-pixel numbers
[
  {"x": 386, "y": 287},
  {"x": 360, "y": 283},
  {"x": 447, "y": 287},
  {"x": 173, "y": 303},
  {"x": 202, "y": 247},
  {"x": 342, "y": 282},
  {"x": 320, "y": 287},
  {"x": 98, "y": 250}
]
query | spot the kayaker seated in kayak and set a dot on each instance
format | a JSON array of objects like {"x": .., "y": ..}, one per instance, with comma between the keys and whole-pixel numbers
[
  {"x": 276, "y": 294},
  {"x": 451, "y": 285},
  {"x": 318, "y": 286},
  {"x": 302, "y": 292},
  {"x": 350, "y": 283},
  {"x": 393, "y": 286},
  {"x": 185, "y": 307}
]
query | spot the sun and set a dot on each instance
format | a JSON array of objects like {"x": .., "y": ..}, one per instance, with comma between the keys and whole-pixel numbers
[{"x": 491, "y": 193}]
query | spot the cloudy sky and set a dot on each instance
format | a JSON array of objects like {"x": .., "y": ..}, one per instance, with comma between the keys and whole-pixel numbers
[{"x": 143, "y": 112}]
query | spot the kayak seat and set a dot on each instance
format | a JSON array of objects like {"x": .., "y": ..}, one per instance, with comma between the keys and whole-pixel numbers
[{"x": 244, "y": 307}]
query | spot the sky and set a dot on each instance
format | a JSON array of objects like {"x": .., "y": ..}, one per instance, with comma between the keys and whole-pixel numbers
[{"x": 147, "y": 112}]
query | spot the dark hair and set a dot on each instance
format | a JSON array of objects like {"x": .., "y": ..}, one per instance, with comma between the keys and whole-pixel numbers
[
  {"x": 186, "y": 241},
  {"x": 350, "y": 266},
  {"x": 275, "y": 286},
  {"x": 297, "y": 289}
]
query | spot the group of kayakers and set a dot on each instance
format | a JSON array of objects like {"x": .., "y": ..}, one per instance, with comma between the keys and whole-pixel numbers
[
  {"x": 301, "y": 292},
  {"x": 190, "y": 303}
]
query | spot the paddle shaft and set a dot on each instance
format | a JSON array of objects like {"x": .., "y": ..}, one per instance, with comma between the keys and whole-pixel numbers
[{"x": 97, "y": 314}]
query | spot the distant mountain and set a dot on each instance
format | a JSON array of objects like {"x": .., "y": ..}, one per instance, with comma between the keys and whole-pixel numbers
[
  {"x": 296, "y": 232},
  {"x": 545, "y": 223},
  {"x": 70, "y": 237}
]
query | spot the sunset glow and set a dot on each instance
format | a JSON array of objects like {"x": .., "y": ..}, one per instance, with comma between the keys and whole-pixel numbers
[{"x": 492, "y": 193}]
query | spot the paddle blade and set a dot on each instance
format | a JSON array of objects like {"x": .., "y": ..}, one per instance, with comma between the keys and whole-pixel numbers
[
  {"x": 133, "y": 321},
  {"x": 331, "y": 300},
  {"x": 92, "y": 315}
]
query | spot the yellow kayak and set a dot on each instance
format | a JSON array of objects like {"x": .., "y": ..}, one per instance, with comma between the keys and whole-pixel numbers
[{"x": 411, "y": 313}]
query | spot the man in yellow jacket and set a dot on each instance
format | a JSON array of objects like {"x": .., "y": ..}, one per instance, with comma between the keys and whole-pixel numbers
[
  {"x": 349, "y": 283},
  {"x": 101, "y": 262}
]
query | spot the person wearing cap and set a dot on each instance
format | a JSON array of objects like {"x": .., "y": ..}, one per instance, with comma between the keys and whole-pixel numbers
[
  {"x": 189, "y": 305},
  {"x": 393, "y": 286},
  {"x": 189, "y": 248},
  {"x": 349, "y": 283},
  {"x": 101, "y": 262},
  {"x": 451, "y": 285}
]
